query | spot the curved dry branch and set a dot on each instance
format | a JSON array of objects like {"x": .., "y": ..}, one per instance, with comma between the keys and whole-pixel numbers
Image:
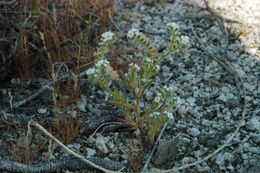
[{"x": 68, "y": 150}]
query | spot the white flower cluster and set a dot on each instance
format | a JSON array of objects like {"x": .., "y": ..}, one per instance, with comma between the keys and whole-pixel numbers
[
  {"x": 173, "y": 26},
  {"x": 91, "y": 71},
  {"x": 158, "y": 68},
  {"x": 144, "y": 80},
  {"x": 133, "y": 32},
  {"x": 132, "y": 65},
  {"x": 103, "y": 62},
  {"x": 170, "y": 88},
  {"x": 107, "y": 36},
  {"x": 154, "y": 114},
  {"x": 148, "y": 60},
  {"x": 94, "y": 70},
  {"x": 185, "y": 40},
  {"x": 158, "y": 97},
  {"x": 168, "y": 114}
]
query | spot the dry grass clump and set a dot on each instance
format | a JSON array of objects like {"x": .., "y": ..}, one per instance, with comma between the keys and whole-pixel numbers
[
  {"x": 48, "y": 39},
  {"x": 36, "y": 34}
]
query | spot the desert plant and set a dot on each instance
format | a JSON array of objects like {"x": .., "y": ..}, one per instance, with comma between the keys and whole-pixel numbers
[
  {"x": 23, "y": 149},
  {"x": 65, "y": 96},
  {"x": 148, "y": 117}
]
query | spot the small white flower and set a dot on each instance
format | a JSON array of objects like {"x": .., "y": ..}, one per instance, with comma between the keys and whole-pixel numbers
[
  {"x": 173, "y": 26},
  {"x": 169, "y": 114},
  {"x": 157, "y": 99},
  {"x": 133, "y": 32},
  {"x": 102, "y": 62},
  {"x": 178, "y": 100},
  {"x": 170, "y": 88},
  {"x": 132, "y": 65},
  {"x": 107, "y": 36},
  {"x": 185, "y": 40},
  {"x": 155, "y": 114},
  {"x": 144, "y": 80},
  {"x": 158, "y": 67},
  {"x": 90, "y": 71},
  {"x": 148, "y": 60}
]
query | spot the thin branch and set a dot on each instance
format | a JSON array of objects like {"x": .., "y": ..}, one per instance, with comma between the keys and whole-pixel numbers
[
  {"x": 104, "y": 124},
  {"x": 68, "y": 150},
  {"x": 40, "y": 91},
  {"x": 153, "y": 150}
]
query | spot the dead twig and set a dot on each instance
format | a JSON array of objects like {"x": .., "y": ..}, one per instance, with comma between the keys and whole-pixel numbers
[
  {"x": 104, "y": 124},
  {"x": 40, "y": 91},
  {"x": 153, "y": 150},
  {"x": 8, "y": 2},
  {"x": 68, "y": 150}
]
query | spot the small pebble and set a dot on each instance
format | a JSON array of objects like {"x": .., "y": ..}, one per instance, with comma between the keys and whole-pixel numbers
[
  {"x": 16, "y": 81},
  {"x": 149, "y": 95},
  {"x": 90, "y": 152},
  {"x": 76, "y": 146},
  {"x": 41, "y": 110},
  {"x": 194, "y": 131},
  {"x": 100, "y": 144},
  {"x": 82, "y": 103},
  {"x": 253, "y": 124}
]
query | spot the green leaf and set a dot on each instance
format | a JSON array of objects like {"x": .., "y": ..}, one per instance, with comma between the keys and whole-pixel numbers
[
  {"x": 155, "y": 125},
  {"x": 119, "y": 100}
]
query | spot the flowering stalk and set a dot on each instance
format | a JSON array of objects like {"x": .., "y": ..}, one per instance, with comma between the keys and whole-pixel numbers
[
  {"x": 150, "y": 117},
  {"x": 106, "y": 39},
  {"x": 135, "y": 34}
]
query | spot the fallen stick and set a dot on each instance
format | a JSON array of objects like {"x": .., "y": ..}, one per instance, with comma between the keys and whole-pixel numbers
[
  {"x": 68, "y": 150},
  {"x": 40, "y": 91},
  {"x": 153, "y": 150}
]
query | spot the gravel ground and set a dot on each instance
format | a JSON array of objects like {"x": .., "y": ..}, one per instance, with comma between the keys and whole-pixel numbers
[{"x": 211, "y": 105}]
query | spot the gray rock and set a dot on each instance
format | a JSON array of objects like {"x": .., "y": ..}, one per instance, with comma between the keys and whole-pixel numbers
[
  {"x": 203, "y": 168},
  {"x": 82, "y": 103},
  {"x": 194, "y": 131},
  {"x": 42, "y": 110},
  {"x": 232, "y": 102},
  {"x": 165, "y": 68},
  {"x": 90, "y": 152},
  {"x": 76, "y": 146},
  {"x": 100, "y": 144},
  {"x": 255, "y": 168},
  {"x": 182, "y": 110},
  {"x": 256, "y": 139},
  {"x": 91, "y": 140},
  {"x": 253, "y": 124},
  {"x": 16, "y": 81},
  {"x": 186, "y": 140},
  {"x": 149, "y": 95},
  {"x": 191, "y": 101},
  {"x": 91, "y": 108},
  {"x": 166, "y": 150},
  {"x": 67, "y": 171},
  {"x": 220, "y": 160},
  {"x": 254, "y": 150}
]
